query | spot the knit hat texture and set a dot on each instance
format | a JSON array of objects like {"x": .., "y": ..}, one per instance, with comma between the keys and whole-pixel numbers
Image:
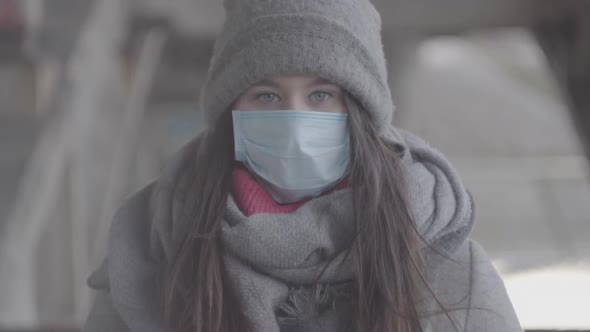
[{"x": 338, "y": 40}]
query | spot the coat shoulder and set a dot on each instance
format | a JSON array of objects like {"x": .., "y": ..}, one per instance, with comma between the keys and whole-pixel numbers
[
  {"x": 116, "y": 281},
  {"x": 471, "y": 290}
]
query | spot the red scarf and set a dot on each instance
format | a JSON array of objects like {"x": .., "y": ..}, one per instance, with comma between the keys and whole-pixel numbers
[{"x": 253, "y": 198}]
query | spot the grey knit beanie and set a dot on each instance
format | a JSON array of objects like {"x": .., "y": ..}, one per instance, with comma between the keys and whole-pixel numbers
[{"x": 338, "y": 40}]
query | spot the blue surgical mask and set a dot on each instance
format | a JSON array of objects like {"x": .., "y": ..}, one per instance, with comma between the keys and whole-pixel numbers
[{"x": 296, "y": 155}]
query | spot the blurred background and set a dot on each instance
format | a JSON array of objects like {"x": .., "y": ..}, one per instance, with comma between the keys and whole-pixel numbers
[{"x": 96, "y": 95}]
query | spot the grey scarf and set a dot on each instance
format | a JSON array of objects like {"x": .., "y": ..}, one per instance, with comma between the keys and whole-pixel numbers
[{"x": 270, "y": 258}]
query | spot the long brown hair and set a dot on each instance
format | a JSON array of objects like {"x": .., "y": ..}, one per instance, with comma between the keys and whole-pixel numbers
[{"x": 385, "y": 250}]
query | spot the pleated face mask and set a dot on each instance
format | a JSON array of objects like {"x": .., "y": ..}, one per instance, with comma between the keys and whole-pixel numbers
[{"x": 296, "y": 155}]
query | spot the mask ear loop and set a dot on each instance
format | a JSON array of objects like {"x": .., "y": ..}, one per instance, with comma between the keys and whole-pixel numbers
[{"x": 353, "y": 106}]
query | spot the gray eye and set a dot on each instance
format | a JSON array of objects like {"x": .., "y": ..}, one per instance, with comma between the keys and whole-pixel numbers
[
  {"x": 320, "y": 96},
  {"x": 267, "y": 97}
]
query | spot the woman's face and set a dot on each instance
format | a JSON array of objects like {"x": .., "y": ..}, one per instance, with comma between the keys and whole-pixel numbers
[{"x": 292, "y": 92}]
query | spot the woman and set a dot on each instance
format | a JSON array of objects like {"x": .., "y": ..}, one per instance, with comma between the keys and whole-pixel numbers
[{"x": 301, "y": 208}]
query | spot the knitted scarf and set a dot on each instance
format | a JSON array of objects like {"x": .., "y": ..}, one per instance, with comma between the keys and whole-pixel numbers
[{"x": 271, "y": 258}]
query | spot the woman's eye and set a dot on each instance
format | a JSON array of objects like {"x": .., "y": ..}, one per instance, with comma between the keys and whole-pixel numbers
[
  {"x": 320, "y": 96},
  {"x": 267, "y": 97}
]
